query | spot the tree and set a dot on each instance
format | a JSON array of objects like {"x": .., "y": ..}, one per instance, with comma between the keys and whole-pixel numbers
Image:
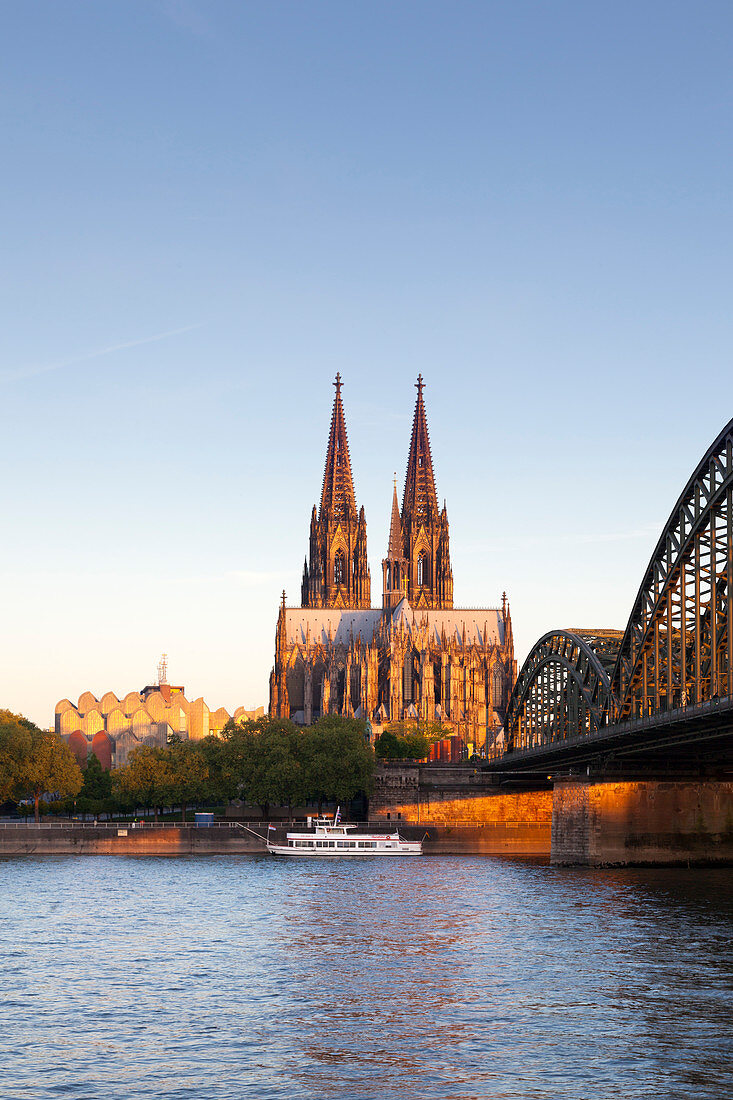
[
  {"x": 96, "y": 793},
  {"x": 341, "y": 763},
  {"x": 409, "y": 739},
  {"x": 146, "y": 781},
  {"x": 389, "y": 746},
  {"x": 188, "y": 773},
  {"x": 212, "y": 750},
  {"x": 49, "y": 766},
  {"x": 273, "y": 769},
  {"x": 262, "y": 762},
  {"x": 15, "y": 746},
  {"x": 272, "y": 761}
]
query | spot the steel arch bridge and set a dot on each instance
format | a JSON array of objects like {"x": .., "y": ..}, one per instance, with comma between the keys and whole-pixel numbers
[
  {"x": 675, "y": 655},
  {"x": 563, "y": 689}
]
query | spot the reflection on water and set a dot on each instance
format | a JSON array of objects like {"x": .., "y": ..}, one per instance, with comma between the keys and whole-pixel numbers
[{"x": 436, "y": 978}]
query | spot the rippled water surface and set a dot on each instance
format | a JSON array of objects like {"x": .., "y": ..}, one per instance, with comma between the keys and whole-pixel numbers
[{"x": 435, "y": 978}]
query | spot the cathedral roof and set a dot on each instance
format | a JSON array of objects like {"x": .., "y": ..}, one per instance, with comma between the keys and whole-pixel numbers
[
  {"x": 318, "y": 624},
  {"x": 337, "y": 494},
  {"x": 420, "y": 498},
  {"x": 482, "y": 626}
]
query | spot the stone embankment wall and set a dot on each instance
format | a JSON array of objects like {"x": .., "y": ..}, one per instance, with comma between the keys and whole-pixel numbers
[
  {"x": 164, "y": 840},
  {"x": 459, "y": 802},
  {"x": 579, "y": 821},
  {"x": 146, "y": 840},
  {"x": 612, "y": 824}
]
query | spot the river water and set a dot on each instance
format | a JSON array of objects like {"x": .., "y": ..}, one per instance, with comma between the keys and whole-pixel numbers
[{"x": 434, "y": 978}]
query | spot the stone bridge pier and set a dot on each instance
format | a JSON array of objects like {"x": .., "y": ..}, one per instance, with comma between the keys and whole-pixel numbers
[
  {"x": 570, "y": 821},
  {"x": 649, "y": 822}
]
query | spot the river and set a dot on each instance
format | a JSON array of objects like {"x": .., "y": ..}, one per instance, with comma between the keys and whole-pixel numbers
[{"x": 442, "y": 978}]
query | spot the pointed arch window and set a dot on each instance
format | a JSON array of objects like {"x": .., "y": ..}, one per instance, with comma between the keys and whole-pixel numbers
[
  {"x": 422, "y": 569},
  {"x": 339, "y": 568},
  {"x": 497, "y": 686}
]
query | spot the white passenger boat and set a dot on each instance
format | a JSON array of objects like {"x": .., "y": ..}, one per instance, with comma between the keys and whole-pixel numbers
[{"x": 333, "y": 838}]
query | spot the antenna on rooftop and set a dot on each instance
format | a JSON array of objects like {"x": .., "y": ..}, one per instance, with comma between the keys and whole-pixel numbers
[{"x": 163, "y": 669}]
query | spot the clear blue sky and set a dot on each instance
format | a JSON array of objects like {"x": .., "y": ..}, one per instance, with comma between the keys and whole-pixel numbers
[{"x": 211, "y": 207}]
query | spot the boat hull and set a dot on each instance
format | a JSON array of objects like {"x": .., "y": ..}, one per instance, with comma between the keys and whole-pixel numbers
[{"x": 342, "y": 853}]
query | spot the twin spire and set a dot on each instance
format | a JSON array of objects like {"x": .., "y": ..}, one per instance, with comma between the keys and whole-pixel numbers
[
  {"x": 420, "y": 498},
  {"x": 418, "y": 562},
  {"x": 337, "y": 495}
]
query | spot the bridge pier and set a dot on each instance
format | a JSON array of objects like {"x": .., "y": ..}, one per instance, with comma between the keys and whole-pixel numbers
[{"x": 650, "y": 822}]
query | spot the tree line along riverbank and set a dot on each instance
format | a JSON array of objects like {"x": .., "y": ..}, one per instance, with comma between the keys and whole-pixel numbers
[{"x": 266, "y": 762}]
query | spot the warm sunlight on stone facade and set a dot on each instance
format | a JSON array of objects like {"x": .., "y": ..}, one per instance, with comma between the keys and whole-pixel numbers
[{"x": 417, "y": 655}]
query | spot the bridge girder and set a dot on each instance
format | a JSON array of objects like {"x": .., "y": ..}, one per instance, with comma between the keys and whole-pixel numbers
[
  {"x": 675, "y": 658},
  {"x": 676, "y": 649},
  {"x": 563, "y": 690}
]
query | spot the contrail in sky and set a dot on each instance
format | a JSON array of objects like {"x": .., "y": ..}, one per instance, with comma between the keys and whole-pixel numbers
[{"x": 43, "y": 368}]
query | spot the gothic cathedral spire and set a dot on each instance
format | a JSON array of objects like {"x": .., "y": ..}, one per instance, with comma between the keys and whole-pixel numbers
[
  {"x": 337, "y": 494},
  {"x": 425, "y": 531},
  {"x": 337, "y": 574}
]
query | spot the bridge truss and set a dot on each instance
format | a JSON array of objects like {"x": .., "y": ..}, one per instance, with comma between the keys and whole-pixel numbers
[
  {"x": 563, "y": 689},
  {"x": 676, "y": 652},
  {"x": 676, "y": 649}
]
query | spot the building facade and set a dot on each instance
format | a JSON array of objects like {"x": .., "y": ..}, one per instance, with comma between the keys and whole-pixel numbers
[
  {"x": 111, "y": 727},
  {"x": 416, "y": 656}
]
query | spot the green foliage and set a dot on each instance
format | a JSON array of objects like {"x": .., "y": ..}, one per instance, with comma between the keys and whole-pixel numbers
[
  {"x": 188, "y": 773},
  {"x": 388, "y": 746},
  {"x": 47, "y": 764},
  {"x": 271, "y": 760},
  {"x": 145, "y": 781},
  {"x": 409, "y": 739},
  {"x": 95, "y": 796},
  {"x": 266, "y": 761},
  {"x": 391, "y": 747},
  {"x": 177, "y": 774},
  {"x": 410, "y": 727},
  {"x": 15, "y": 745},
  {"x": 261, "y": 762},
  {"x": 97, "y": 780},
  {"x": 342, "y": 763}
]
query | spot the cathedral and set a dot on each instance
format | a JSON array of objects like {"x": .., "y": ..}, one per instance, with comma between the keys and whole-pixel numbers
[{"x": 416, "y": 656}]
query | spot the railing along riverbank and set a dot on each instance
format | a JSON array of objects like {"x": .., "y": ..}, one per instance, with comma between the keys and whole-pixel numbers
[{"x": 239, "y": 838}]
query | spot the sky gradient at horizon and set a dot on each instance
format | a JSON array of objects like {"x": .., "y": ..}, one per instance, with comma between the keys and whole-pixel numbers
[{"x": 210, "y": 208}]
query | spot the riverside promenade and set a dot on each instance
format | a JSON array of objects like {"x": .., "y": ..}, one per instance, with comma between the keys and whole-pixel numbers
[{"x": 116, "y": 838}]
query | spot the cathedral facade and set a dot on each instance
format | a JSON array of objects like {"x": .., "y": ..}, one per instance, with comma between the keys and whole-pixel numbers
[{"x": 416, "y": 656}]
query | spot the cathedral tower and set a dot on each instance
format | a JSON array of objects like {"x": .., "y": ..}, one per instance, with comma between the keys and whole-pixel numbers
[
  {"x": 425, "y": 532},
  {"x": 337, "y": 572}
]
